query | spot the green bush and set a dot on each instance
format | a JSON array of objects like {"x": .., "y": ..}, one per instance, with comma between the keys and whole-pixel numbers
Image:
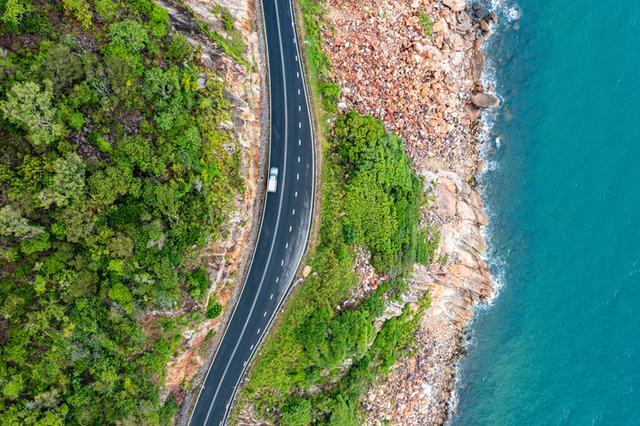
[
  {"x": 214, "y": 309},
  {"x": 426, "y": 23},
  {"x": 371, "y": 198},
  {"x": 297, "y": 412}
]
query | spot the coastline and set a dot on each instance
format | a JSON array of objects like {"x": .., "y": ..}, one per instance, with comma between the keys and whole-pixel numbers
[{"x": 441, "y": 121}]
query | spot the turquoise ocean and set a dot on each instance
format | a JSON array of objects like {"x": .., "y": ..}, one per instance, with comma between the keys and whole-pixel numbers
[{"x": 560, "y": 345}]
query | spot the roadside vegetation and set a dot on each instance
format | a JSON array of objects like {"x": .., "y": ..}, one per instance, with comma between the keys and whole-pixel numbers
[
  {"x": 320, "y": 359},
  {"x": 323, "y": 355},
  {"x": 114, "y": 174},
  {"x": 318, "y": 62}
]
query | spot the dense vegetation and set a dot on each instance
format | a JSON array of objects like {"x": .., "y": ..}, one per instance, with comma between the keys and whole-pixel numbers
[
  {"x": 371, "y": 198},
  {"x": 113, "y": 175},
  {"x": 318, "y": 62}
]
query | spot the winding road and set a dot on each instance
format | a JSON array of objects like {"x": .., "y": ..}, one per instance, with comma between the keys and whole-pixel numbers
[{"x": 286, "y": 219}]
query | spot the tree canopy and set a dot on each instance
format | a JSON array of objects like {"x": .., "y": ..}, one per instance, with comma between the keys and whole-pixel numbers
[{"x": 114, "y": 173}]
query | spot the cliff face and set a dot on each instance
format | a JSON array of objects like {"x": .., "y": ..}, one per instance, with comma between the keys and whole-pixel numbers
[
  {"x": 416, "y": 66},
  {"x": 244, "y": 89}
]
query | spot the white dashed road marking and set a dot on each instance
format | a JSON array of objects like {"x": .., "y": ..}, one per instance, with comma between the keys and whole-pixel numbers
[
  {"x": 265, "y": 314},
  {"x": 297, "y": 176},
  {"x": 290, "y": 228},
  {"x": 271, "y": 297},
  {"x": 286, "y": 245},
  {"x": 277, "y": 279},
  {"x": 282, "y": 262},
  {"x": 293, "y": 213},
  {"x": 258, "y": 332},
  {"x": 298, "y": 159},
  {"x": 296, "y": 194}
]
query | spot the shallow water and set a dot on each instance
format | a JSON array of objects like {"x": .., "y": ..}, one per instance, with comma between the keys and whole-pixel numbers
[{"x": 561, "y": 344}]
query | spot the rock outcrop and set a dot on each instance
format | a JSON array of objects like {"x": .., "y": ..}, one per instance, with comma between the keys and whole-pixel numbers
[
  {"x": 485, "y": 100},
  {"x": 456, "y": 281}
]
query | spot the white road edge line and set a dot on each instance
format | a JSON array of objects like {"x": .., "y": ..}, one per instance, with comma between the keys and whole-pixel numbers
[
  {"x": 313, "y": 188},
  {"x": 273, "y": 241}
]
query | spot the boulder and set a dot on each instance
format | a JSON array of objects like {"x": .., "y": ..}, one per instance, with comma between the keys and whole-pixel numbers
[
  {"x": 479, "y": 12},
  {"x": 472, "y": 111},
  {"x": 455, "y": 5},
  {"x": 440, "y": 25},
  {"x": 485, "y": 100},
  {"x": 464, "y": 22},
  {"x": 485, "y": 26},
  {"x": 306, "y": 271},
  {"x": 456, "y": 42}
]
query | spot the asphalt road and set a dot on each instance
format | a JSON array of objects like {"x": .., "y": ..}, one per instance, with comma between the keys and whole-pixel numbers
[{"x": 285, "y": 223}]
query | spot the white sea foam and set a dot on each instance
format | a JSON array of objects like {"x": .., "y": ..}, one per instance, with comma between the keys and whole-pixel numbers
[{"x": 489, "y": 145}]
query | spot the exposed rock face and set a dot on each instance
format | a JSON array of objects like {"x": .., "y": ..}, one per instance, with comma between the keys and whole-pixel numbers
[
  {"x": 485, "y": 100},
  {"x": 458, "y": 280},
  {"x": 428, "y": 90}
]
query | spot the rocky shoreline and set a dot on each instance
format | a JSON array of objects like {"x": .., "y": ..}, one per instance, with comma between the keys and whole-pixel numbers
[{"x": 417, "y": 67}]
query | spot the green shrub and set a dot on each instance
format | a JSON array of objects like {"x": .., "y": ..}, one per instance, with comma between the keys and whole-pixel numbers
[
  {"x": 198, "y": 283},
  {"x": 214, "y": 309},
  {"x": 13, "y": 12},
  {"x": 426, "y": 23},
  {"x": 79, "y": 9},
  {"x": 297, "y": 412}
]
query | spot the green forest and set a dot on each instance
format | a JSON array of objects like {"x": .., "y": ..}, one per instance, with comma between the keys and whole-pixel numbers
[
  {"x": 320, "y": 359},
  {"x": 114, "y": 173}
]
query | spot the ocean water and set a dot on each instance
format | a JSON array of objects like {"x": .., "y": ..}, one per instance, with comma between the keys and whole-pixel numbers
[{"x": 561, "y": 343}]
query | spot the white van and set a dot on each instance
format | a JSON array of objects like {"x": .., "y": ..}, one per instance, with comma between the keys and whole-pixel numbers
[{"x": 272, "y": 184}]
